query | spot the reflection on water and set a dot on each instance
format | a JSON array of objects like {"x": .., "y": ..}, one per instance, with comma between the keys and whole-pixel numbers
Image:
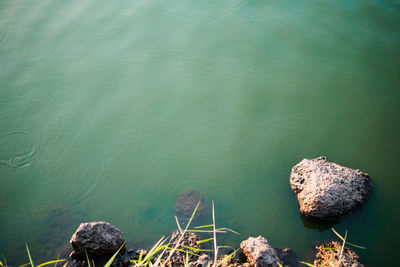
[{"x": 110, "y": 111}]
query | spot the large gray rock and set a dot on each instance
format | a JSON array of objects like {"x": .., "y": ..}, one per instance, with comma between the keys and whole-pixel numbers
[
  {"x": 326, "y": 190},
  {"x": 259, "y": 252},
  {"x": 97, "y": 238},
  {"x": 328, "y": 255}
]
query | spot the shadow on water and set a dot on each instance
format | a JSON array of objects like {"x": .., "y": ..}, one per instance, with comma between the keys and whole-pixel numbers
[{"x": 317, "y": 225}]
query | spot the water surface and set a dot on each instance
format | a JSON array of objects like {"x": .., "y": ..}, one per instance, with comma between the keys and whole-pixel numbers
[{"x": 109, "y": 110}]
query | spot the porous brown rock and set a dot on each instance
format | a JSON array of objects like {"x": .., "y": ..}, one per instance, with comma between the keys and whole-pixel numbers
[
  {"x": 259, "y": 252},
  {"x": 326, "y": 190},
  {"x": 328, "y": 255},
  {"x": 97, "y": 238}
]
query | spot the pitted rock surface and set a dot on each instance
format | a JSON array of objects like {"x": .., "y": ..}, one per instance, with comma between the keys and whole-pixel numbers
[
  {"x": 328, "y": 255},
  {"x": 326, "y": 190},
  {"x": 97, "y": 238},
  {"x": 259, "y": 252}
]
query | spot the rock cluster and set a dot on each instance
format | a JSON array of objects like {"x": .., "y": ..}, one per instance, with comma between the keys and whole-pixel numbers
[{"x": 326, "y": 190}]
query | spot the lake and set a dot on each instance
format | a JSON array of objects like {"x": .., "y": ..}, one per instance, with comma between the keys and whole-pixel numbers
[{"x": 110, "y": 109}]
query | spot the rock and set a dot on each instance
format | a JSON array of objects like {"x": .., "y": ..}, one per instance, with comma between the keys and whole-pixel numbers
[
  {"x": 97, "y": 238},
  {"x": 259, "y": 252},
  {"x": 326, "y": 190},
  {"x": 187, "y": 202},
  {"x": 288, "y": 257},
  {"x": 330, "y": 257},
  {"x": 202, "y": 261}
]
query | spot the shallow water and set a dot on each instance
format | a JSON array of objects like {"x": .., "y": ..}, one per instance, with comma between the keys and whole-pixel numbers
[{"x": 110, "y": 110}]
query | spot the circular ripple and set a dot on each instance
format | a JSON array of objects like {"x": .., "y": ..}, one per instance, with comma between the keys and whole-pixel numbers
[{"x": 17, "y": 149}]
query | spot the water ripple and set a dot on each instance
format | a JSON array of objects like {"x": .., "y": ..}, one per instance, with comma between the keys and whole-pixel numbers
[{"x": 18, "y": 149}]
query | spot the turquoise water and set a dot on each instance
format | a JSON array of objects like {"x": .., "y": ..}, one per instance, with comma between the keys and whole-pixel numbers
[{"x": 109, "y": 110}]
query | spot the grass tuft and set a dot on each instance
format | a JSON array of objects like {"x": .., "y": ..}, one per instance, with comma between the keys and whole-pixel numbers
[{"x": 340, "y": 252}]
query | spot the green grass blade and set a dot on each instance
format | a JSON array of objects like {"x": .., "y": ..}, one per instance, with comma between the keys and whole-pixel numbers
[
  {"x": 29, "y": 255},
  {"x": 204, "y": 240},
  {"x": 348, "y": 243},
  {"x": 162, "y": 253},
  {"x": 23, "y": 265},
  {"x": 141, "y": 255},
  {"x": 204, "y": 226},
  {"x": 336, "y": 233},
  {"x": 196, "y": 249},
  {"x": 51, "y": 262},
  {"x": 191, "y": 217},
  {"x": 231, "y": 248},
  {"x": 354, "y": 245},
  {"x": 330, "y": 248},
  {"x": 156, "y": 246},
  {"x": 109, "y": 262},
  {"x": 230, "y": 230},
  {"x": 207, "y": 231},
  {"x": 279, "y": 264},
  {"x": 87, "y": 258},
  {"x": 184, "y": 251},
  {"x": 224, "y": 260},
  {"x": 152, "y": 253},
  {"x": 1, "y": 264},
  {"x": 307, "y": 264},
  {"x": 227, "y": 258}
]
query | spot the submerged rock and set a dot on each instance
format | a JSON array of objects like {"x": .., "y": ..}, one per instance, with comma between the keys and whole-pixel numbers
[
  {"x": 328, "y": 255},
  {"x": 259, "y": 252},
  {"x": 187, "y": 202},
  {"x": 97, "y": 238},
  {"x": 326, "y": 190}
]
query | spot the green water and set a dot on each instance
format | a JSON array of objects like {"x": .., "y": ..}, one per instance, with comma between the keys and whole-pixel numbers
[{"x": 109, "y": 110}]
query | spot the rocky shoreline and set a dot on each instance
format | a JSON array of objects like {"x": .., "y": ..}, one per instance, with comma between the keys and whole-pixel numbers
[{"x": 325, "y": 191}]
